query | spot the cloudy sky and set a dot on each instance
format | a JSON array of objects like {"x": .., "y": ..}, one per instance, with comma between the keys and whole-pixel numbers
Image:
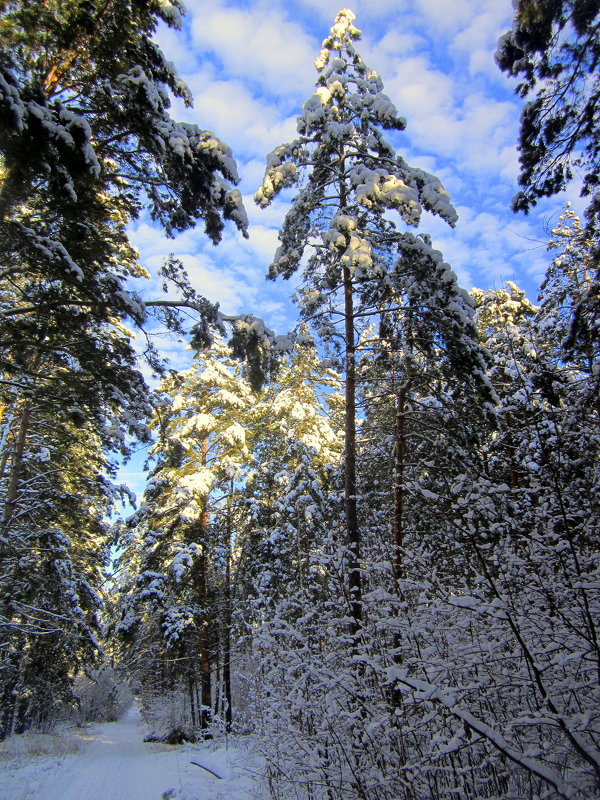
[{"x": 249, "y": 65}]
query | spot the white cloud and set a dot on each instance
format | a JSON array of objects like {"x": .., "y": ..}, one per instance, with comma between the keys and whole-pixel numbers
[
  {"x": 365, "y": 10},
  {"x": 474, "y": 130},
  {"x": 445, "y": 18},
  {"x": 250, "y": 66},
  {"x": 263, "y": 242},
  {"x": 151, "y": 241},
  {"x": 214, "y": 283},
  {"x": 394, "y": 44},
  {"x": 175, "y": 46},
  {"x": 250, "y": 125},
  {"x": 491, "y": 250},
  {"x": 462, "y": 18},
  {"x": 258, "y": 43},
  {"x": 478, "y": 40}
]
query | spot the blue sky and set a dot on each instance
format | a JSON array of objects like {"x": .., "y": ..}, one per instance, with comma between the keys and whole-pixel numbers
[{"x": 249, "y": 66}]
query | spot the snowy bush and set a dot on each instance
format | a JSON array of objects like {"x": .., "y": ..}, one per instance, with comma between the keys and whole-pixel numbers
[
  {"x": 34, "y": 743},
  {"x": 168, "y": 715},
  {"x": 102, "y": 696}
]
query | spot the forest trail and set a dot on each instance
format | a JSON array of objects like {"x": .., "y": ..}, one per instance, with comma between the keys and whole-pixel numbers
[{"x": 114, "y": 763}]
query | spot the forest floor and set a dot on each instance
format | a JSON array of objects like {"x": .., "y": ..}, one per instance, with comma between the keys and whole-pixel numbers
[{"x": 112, "y": 762}]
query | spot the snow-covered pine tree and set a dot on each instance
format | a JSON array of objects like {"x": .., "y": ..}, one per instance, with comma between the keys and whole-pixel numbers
[
  {"x": 553, "y": 49},
  {"x": 357, "y": 261},
  {"x": 348, "y": 229},
  {"x": 51, "y": 578},
  {"x": 296, "y": 445},
  {"x": 176, "y": 597},
  {"x": 570, "y": 301},
  {"x": 86, "y": 139},
  {"x": 85, "y": 98},
  {"x": 494, "y": 641},
  {"x": 291, "y": 576}
]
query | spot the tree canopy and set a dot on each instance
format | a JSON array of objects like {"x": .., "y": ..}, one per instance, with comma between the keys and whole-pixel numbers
[
  {"x": 86, "y": 142},
  {"x": 554, "y": 50},
  {"x": 371, "y": 545}
]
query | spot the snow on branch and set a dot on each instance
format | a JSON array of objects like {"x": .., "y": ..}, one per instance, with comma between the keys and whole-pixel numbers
[{"x": 433, "y": 694}]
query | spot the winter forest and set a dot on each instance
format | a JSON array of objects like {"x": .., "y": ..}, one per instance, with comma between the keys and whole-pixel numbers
[{"x": 368, "y": 545}]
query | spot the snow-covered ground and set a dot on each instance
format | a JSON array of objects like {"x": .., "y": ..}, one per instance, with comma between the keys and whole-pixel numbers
[{"x": 114, "y": 763}]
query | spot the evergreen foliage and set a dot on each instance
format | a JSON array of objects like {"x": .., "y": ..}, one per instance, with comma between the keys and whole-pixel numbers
[
  {"x": 554, "y": 49},
  {"x": 53, "y": 569},
  {"x": 398, "y": 685},
  {"x": 86, "y": 142},
  {"x": 359, "y": 264},
  {"x": 373, "y": 544},
  {"x": 178, "y": 546}
]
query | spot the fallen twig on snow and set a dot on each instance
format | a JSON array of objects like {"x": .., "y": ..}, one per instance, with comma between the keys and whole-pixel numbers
[{"x": 195, "y": 763}]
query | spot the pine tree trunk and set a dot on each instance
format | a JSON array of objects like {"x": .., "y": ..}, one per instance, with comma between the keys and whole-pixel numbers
[
  {"x": 192, "y": 692},
  {"x": 204, "y": 645},
  {"x": 17, "y": 467},
  {"x": 19, "y": 447},
  {"x": 400, "y": 446},
  {"x": 227, "y": 679},
  {"x": 227, "y": 621},
  {"x": 202, "y": 594},
  {"x": 58, "y": 70},
  {"x": 352, "y": 530},
  {"x": 205, "y": 681},
  {"x": 203, "y": 461}
]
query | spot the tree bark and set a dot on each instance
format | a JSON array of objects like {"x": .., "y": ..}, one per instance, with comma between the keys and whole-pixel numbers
[
  {"x": 400, "y": 449},
  {"x": 17, "y": 467},
  {"x": 352, "y": 529},
  {"x": 227, "y": 620}
]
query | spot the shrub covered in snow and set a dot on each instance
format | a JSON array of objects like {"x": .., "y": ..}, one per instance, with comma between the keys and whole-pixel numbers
[
  {"x": 103, "y": 696},
  {"x": 168, "y": 716},
  {"x": 35, "y": 743}
]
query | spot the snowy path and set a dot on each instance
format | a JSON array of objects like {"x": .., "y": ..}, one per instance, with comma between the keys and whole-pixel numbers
[{"x": 114, "y": 763}]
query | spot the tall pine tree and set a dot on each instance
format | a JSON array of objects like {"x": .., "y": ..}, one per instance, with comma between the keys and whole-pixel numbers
[
  {"x": 359, "y": 263},
  {"x": 86, "y": 142}
]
